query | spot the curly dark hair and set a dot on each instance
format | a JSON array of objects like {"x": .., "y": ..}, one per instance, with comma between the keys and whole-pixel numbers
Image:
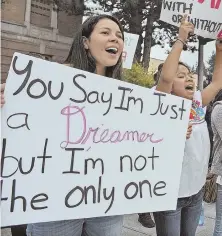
[{"x": 208, "y": 120}]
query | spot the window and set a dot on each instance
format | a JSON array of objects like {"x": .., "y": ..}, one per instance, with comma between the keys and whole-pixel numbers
[
  {"x": 13, "y": 11},
  {"x": 41, "y": 13}
]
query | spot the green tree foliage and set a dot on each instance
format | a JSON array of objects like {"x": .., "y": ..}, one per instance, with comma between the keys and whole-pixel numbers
[
  {"x": 139, "y": 76},
  {"x": 210, "y": 62}
]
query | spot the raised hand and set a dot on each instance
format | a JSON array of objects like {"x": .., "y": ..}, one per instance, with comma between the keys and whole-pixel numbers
[{"x": 186, "y": 28}]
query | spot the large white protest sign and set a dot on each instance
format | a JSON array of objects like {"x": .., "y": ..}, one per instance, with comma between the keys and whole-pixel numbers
[
  {"x": 79, "y": 145},
  {"x": 206, "y": 15}
]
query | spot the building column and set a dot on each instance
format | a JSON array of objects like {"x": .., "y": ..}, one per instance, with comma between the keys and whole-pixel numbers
[
  {"x": 42, "y": 47},
  {"x": 54, "y": 22},
  {"x": 28, "y": 13}
]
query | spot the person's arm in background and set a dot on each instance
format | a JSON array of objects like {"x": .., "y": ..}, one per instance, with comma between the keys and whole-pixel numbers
[
  {"x": 209, "y": 93},
  {"x": 170, "y": 66}
]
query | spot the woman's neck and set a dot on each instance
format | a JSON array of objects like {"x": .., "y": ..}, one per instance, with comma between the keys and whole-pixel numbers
[{"x": 100, "y": 70}]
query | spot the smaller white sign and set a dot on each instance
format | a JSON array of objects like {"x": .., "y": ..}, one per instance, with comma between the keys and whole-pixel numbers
[
  {"x": 130, "y": 44},
  {"x": 206, "y": 15}
]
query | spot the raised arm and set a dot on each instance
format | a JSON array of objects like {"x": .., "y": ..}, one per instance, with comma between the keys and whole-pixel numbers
[
  {"x": 209, "y": 93},
  {"x": 171, "y": 64}
]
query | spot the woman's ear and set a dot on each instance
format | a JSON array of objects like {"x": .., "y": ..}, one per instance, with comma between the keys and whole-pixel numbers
[{"x": 85, "y": 42}]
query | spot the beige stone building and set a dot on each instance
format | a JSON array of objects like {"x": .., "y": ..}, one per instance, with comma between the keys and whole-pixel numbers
[
  {"x": 154, "y": 63},
  {"x": 32, "y": 26}
]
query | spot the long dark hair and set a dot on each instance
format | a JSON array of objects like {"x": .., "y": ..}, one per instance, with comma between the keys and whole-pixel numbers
[{"x": 78, "y": 56}]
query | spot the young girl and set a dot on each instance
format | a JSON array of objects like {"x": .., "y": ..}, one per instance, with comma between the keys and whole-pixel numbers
[
  {"x": 176, "y": 78},
  {"x": 216, "y": 123}
]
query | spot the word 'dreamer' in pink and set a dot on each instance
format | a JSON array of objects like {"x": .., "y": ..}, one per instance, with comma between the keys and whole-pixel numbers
[{"x": 99, "y": 134}]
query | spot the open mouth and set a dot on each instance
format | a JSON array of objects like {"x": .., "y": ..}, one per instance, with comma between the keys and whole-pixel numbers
[
  {"x": 112, "y": 50},
  {"x": 189, "y": 87}
]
